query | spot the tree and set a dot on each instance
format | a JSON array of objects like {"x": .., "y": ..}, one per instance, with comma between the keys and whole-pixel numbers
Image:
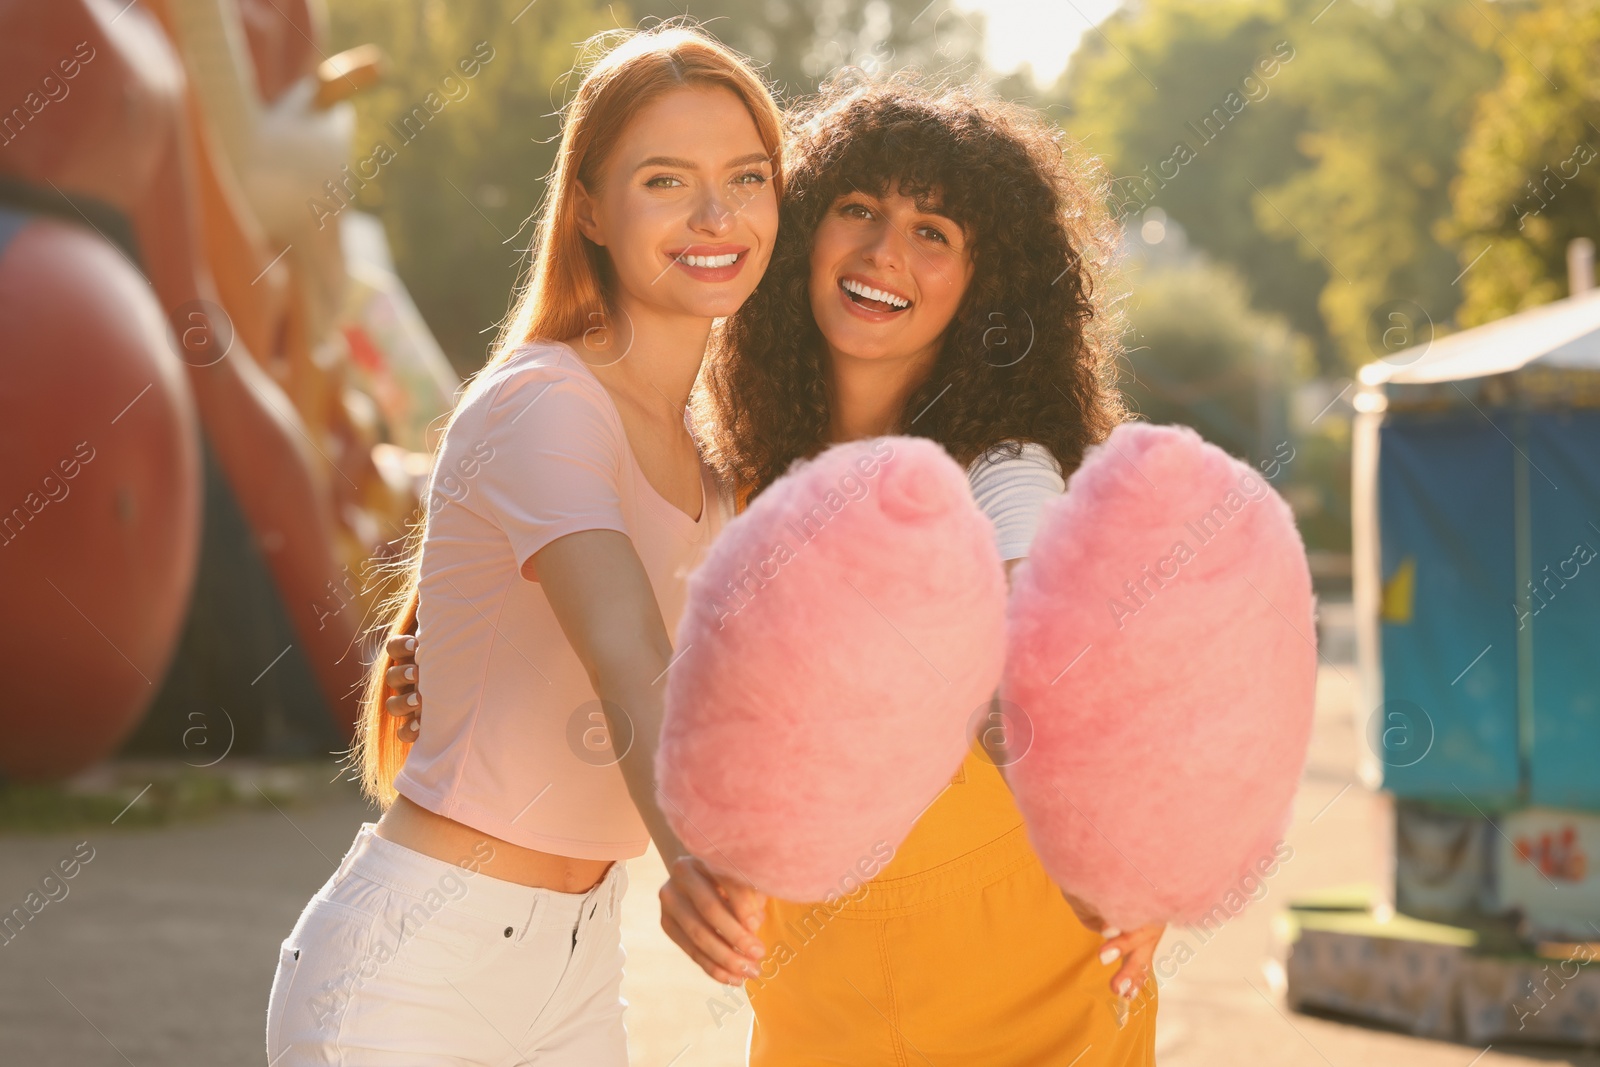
[
  {"x": 1199, "y": 355},
  {"x": 1387, "y": 92},
  {"x": 1321, "y": 177},
  {"x": 799, "y": 42},
  {"x": 1530, "y": 168},
  {"x": 1183, "y": 101},
  {"x": 460, "y": 135}
]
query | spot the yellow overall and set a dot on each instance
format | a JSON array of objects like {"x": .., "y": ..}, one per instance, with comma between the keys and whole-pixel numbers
[{"x": 960, "y": 951}]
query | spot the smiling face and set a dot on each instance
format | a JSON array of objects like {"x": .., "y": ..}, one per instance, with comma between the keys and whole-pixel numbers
[
  {"x": 685, "y": 207},
  {"x": 887, "y": 276}
]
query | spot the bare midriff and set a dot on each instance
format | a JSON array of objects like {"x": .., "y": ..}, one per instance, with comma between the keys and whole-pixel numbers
[{"x": 412, "y": 826}]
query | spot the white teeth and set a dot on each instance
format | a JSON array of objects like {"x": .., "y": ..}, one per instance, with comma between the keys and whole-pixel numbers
[
  {"x": 875, "y": 294},
  {"x": 711, "y": 261}
]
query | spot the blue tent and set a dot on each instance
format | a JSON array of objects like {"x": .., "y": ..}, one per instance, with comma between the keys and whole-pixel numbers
[{"x": 1476, "y": 507}]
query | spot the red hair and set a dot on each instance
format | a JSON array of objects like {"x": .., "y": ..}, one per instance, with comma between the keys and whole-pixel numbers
[{"x": 566, "y": 283}]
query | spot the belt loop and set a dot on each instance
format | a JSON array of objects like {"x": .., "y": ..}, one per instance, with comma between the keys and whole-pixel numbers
[
  {"x": 530, "y": 921},
  {"x": 359, "y": 845}
]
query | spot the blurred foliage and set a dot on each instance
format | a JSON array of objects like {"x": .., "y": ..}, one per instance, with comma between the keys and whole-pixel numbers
[
  {"x": 1323, "y": 181},
  {"x": 51, "y": 808},
  {"x": 152, "y": 793},
  {"x": 1317, "y": 485},
  {"x": 1387, "y": 92},
  {"x": 1530, "y": 168},
  {"x": 1130, "y": 95},
  {"x": 798, "y": 42},
  {"x": 456, "y": 188},
  {"x": 1198, "y": 354}
]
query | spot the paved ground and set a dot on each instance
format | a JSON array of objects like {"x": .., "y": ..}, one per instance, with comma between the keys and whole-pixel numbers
[{"x": 163, "y": 950}]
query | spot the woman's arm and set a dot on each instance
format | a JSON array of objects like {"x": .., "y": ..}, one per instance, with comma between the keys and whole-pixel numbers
[{"x": 600, "y": 594}]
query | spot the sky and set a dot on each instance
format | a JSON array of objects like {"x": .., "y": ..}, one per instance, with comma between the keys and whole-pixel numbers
[{"x": 1043, "y": 33}]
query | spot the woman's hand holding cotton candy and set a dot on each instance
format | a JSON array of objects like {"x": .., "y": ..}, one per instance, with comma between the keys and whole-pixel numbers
[
  {"x": 1134, "y": 949},
  {"x": 713, "y": 920}
]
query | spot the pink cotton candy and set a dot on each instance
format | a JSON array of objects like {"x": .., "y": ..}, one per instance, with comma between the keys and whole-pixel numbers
[
  {"x": 836, "y": 643},
  {"x": 1161, "y": 654}
]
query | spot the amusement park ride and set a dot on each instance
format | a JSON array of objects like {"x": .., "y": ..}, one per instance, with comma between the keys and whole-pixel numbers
[{"x": 206, "y": 385}]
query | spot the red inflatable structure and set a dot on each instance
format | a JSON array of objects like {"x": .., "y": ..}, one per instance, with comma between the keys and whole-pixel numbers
[{"x": 152, "y": 325}]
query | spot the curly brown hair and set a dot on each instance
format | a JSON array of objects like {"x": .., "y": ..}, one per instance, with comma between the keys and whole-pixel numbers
[{"x": 1040, "y": 235}]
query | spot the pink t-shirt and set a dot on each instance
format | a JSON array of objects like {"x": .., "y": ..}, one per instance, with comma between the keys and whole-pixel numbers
[{"x": 513, "y": 741}]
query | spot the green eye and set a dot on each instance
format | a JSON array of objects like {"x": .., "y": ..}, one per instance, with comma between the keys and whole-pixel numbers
[
  {"x": 653, "y": 182},
  {"x": 753, "y": 178}
]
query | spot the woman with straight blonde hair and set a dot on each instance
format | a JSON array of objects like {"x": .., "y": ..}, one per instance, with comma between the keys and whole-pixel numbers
[{"x": 477, "y": 922}]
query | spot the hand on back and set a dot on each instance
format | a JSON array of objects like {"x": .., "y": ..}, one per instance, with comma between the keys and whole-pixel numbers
[{"x": 401, "y": 698}]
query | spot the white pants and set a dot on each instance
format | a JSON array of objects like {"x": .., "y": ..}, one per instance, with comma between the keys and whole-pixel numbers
[{"x": 403, "y": 959}]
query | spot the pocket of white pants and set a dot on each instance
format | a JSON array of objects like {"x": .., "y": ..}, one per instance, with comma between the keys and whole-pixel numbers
[
  {"x": 282, "y": 989},
  {"x": 318, "y": 965},
  {"x": 435, "y": 943}
]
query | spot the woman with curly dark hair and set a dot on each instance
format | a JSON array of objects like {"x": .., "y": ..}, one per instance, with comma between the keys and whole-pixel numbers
[
  {"x": 937, "y": 273},
  {"x": 1028, "y": 354}
]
